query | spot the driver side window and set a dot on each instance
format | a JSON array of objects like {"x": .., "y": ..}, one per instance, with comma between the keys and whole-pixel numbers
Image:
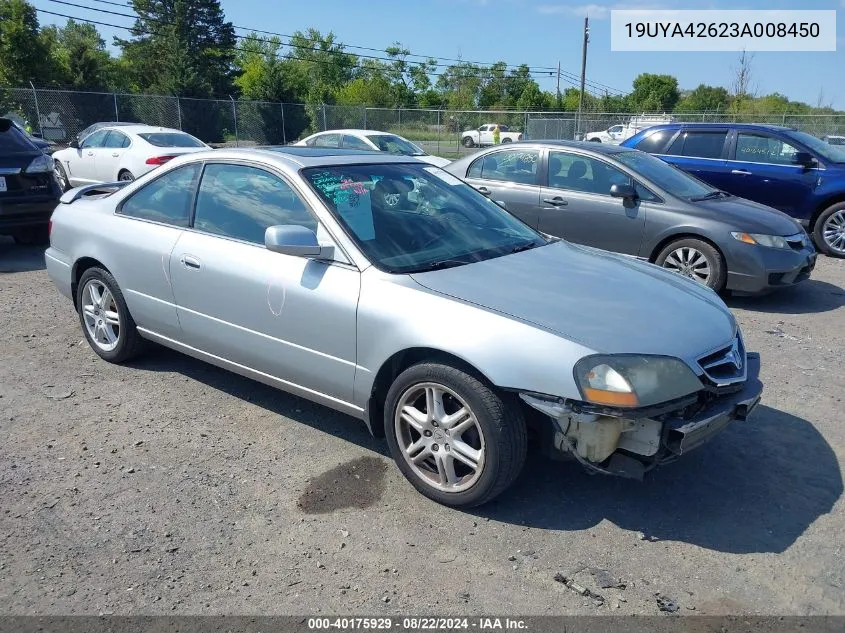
[
  {"x": 583, "y": 173},
  {"x": 97, "y": 139}
]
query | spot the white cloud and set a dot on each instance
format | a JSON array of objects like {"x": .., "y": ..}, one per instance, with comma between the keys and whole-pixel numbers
[{"x": 595, "y": 11}]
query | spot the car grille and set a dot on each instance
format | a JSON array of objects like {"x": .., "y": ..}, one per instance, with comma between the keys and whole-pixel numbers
[
  {"x": 726, "y": 366},
  {"x": 797, "y": 242}
]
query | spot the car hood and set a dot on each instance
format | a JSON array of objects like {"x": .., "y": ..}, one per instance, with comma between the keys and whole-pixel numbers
[
  {"x": 433, "y": 160},
  {"x": 750, "y": 217},
  {"x": 607, "y": 302}
]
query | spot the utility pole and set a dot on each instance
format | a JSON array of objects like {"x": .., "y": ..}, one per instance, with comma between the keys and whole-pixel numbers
[
  {"x": 583, "y": 74},
  {"x": 558, "y": 85}
]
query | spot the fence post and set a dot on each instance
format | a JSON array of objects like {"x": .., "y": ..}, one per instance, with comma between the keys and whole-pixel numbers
[
  {"x": 37, "y": 110},
  {"x": 284, "y": 135},
  {"x": 400, "y": 120},
  {"x": 439, "y": 131},
  {"x": 324, "y": 117},
  {"x": 783, "y": 121},
  {"x": 116, "y": 114},
  {"x": 235, "y": 119},
  {"x": 365, "y": 117},
  {"x": 179, "y": 111}
]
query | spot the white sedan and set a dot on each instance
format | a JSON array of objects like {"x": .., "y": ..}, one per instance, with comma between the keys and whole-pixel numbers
[
  {"x": 121, "y": 152},
  {"x": 373, "y": 141}
]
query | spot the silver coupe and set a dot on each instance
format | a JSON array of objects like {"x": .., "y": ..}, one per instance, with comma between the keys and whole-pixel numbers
[{"x": 392, "y": 291}]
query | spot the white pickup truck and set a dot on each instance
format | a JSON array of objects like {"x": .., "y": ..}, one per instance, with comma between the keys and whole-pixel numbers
[
  {"x": 618, "y": 133},
  {"x": 484, "y": 136}
]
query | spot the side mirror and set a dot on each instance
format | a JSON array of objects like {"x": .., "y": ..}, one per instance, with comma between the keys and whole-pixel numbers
[
  {"x": 292, "y": 239},
  {"x": 804, "y": 158},
  {"x": 623, "y": 191},
  {"x": 74, "y": 143}
]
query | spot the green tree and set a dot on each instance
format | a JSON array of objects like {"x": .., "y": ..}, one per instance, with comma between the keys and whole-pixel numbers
[
  {"x": 655, "y": 93},
  {"x": 704, "y": 99},
  {"x": 24, "y": 56},
  {"x": 261, "y": 73},
  {"x": 319, "y": 65},
  {"x": 181, "y": 47},
  {"x": 79, "y": 55}
]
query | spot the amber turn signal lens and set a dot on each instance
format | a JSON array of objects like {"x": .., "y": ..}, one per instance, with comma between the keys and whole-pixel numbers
[{"x": 612, "y": 398}]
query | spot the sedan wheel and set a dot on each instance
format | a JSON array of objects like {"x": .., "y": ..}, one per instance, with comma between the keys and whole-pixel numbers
[
  {"x": 61, "y": 176},
  {"x": 695, "y": 259},
  {"x": 457, "y": 441},
  {"x": 830, "y": 231},
  {"x": 126, "y": 176},
  {"x": 105, "y": 319}
]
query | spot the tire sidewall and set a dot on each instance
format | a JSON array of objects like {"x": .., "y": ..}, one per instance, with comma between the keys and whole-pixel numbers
[
  {"x": 714, "y": 258},
  {"x": 120, "y": 350},
  {"x": 455, "y": 380},
  {"x": 64, "y": 183},
  {"x": 126, "y": 172},
  {"x": 467, "y": 141},
  {"x": 818, "y": 229}
]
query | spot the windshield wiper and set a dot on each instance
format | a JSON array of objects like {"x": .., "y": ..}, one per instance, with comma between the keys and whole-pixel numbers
[
  {"x": 439, "y": 265},
  {"x": 524, "y": 247},
  {"x": 718, "y": 193}
]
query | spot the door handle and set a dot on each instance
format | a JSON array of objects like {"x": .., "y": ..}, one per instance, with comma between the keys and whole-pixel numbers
[
  {"x": 90, "y": 153},
  {"x": 741, "y": 172},
  {"x": 557, "y": 201},
  {"x": 115, "y": 154},
  {"x": 188, "y": 261},
  {"x": 484, "y": 191}
]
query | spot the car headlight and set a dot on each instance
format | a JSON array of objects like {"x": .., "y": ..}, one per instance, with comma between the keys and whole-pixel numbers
[
  {"x": 634, "y": 381},
  {"x": 772, "y": 241},
  {"x": 40, "y": 165}
]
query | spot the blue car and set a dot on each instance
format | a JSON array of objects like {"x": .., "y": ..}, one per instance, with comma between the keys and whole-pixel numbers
[{"x": 781, "y": 167}]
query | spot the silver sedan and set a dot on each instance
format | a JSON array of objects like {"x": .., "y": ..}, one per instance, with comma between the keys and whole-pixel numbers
[{"x": 390, "y": 290}]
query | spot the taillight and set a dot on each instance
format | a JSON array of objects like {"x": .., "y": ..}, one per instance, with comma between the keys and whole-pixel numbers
[
  {"x": 50, "y": 227},
  {"x": 158, "y": 160}
]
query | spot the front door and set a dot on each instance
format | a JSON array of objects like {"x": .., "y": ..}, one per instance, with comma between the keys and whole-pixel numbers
[
  {"x": 762, "y": 170},
  {"x": 82, "y": 167},
  {"x": 290, "y": 317},
  {"x": 576, "y": 204},
  {"x": 509, "y": 176}
]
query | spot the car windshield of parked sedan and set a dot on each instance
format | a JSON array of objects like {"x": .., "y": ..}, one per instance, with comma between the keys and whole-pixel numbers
[
  {"x": 171, "y": 139},
  {"x": 832, "y": 153},
  {"x": 411, "y": 217},
  {"x": 671, "y": 179},
  {"x": 395, "y": 145}
]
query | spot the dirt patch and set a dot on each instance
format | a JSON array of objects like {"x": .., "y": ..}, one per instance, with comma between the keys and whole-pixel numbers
[{"x": 356, "y": 484}]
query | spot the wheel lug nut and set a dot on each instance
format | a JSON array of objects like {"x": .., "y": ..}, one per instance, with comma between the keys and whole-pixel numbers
[
  {"x": 435, "y": 447},
  {"x": 446, "y": 447},
  {"x": 434, "y": 423},
  {"x": 427, "y": 433}
]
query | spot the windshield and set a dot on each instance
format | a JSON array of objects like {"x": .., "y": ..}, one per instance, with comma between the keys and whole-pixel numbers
[
  {"x": 171, "y": 139},
  {"x": 411, "y": 218},
  {"x": 395, "y": 145},
  {"x": 671, "y": 179},
  {"x": 832, "y": 153}
]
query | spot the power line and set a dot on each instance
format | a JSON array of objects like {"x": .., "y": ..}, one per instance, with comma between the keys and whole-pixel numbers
[{"x": 541, "y": 71}]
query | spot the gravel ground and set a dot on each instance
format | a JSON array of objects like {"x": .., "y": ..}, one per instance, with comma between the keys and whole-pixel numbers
[{"x": 171, "y": 487}]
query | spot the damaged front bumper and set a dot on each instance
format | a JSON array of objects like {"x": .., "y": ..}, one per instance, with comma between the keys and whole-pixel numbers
[{"x": 630, "y": 443}]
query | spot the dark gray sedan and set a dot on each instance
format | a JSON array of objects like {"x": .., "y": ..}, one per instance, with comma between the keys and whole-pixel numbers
[{"x": 630, "y": 202}]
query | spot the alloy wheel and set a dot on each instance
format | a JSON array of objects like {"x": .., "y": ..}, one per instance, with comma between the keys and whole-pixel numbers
[
  {"x": 689, "y": 262},
  {"x": 833, "y": 232},
  {"x": 99, "y": 310},
  {"x": 439, "y": 437}
]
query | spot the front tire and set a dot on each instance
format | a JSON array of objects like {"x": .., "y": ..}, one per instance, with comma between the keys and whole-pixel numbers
[
  {"x": 467, "y": 141},
  {"x": 454, "y": 438},
  {"x": 829, "y": 231},
  {"x": 125, "y": 176},
  {"x": 695, "y": 259},
  {"x": 505, "y": 140},
  {"x": 106, "y": 322}
]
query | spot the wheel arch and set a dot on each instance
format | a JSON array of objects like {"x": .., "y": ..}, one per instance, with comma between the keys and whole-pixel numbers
[
  {"x": 395, "y": 365},
  {"x": 79, "y": 267},
  {"x": 683, "y": 235},
  {"x": 823, "y": 206}
]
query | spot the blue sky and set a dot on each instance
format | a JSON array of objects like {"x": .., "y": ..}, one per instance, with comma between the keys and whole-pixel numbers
[{"x": 535, "y": 32}]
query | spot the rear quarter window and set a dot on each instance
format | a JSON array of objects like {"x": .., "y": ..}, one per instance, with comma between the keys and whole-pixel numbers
[
  {"x": 655, "y": 142},
  {"x": 171, "y": 139}
]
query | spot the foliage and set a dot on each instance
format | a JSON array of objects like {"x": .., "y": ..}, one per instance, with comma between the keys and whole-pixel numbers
[{"x": 653, "y": 93}]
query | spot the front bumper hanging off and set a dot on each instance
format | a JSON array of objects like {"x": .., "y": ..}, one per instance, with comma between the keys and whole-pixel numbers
[{"x": 638, "y": 444}]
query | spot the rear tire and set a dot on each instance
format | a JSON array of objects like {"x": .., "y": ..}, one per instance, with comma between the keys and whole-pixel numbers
[
  {"x": 505, "y": 140},
  {"x": 125, "y": 176},
  {"x": 595, "y": 140},
  {"x": 435, "y": 453},
  {"x": 109, "y": 328},
  {"x": 829, "y": 231},
  {"x": 693, "y": 258}
]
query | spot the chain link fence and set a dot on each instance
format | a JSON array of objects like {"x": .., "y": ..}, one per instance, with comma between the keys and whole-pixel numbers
[{"x": 59, "y": 115}]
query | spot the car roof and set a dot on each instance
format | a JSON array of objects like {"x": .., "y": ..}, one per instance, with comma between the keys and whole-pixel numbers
[
  {"x": 740, "y": 126},
  {"x": 300, "y": 157},
  {"x": 138, "y": 128},
  {"x": 355, "y": 131},
  {"x": 599, "y": 148}
]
